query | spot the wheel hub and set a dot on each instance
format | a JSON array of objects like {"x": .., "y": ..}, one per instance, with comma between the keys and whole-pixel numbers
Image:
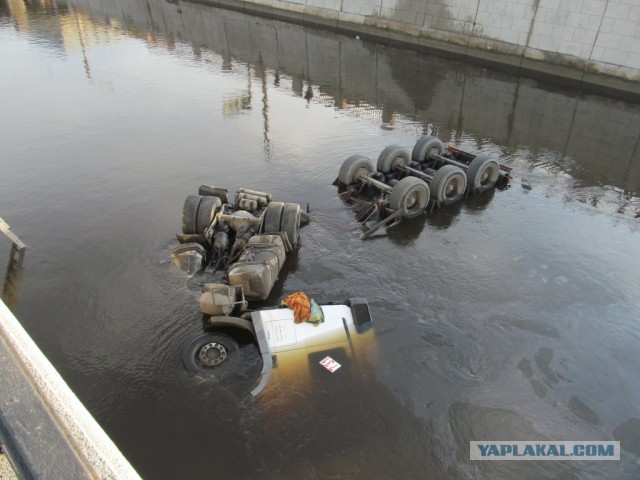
[
  {"x": 397, "y": 163},
  {"x": 452, "y": 188},
  {"x": 360, "y": 174},
  {"x": 487, "y": 175},
  {"x": 411, "y": 200},
  {"x": 212, "y": 354}
]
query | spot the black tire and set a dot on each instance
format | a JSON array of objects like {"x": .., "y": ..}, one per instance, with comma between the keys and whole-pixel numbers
[
  {"x": 448, "y": 184},
  {"x": 272, "y": 217},
  {"x": 410, "y": 196},
  {"x": 190, "y": 214},
  {"x": 426, "y": 146},
  {"x": 393, "y": 157},
  {"x": 209, "y": 352},
  {"x": 210, "y": 190},
  {"x": 206, "y": 212},
  {"x": 483, "y": 173},
  {"x": 353, "y": 167},
  {"x": 290, "y": 222}
]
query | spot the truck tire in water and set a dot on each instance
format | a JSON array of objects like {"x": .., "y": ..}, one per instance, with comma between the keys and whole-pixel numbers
[
  {"x": 392, "y": 157},
  {"x": 272, "y": 217},
  {"x": 290, "y": 222},
  {"x": 410, "y": 196},
  {"x": 448, "y": 184},
  {"x": 190, "y": 214},
  {"x": 210, "y": 190},
  {"x": 207, "y": 211},
  {"x": 352, "y": 167},
  {"x": 209, "y": 352},
  {"x": 426, "y": 146},
  {"x": 483, "y": 173}
]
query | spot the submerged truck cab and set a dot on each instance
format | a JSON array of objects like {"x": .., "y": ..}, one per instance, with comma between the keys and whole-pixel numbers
[{"x": 290, "y": 352}]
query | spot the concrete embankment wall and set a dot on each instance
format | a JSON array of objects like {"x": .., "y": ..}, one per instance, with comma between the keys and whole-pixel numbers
[{"x": 596, "y": 42}]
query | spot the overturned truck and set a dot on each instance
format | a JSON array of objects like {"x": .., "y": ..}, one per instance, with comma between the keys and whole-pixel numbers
[
  {"x": 405, "y": 185},
  {"x": 247, "y": 238}
]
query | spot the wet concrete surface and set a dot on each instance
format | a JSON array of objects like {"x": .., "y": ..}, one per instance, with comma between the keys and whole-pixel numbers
[{"x": 511, "y": 316}]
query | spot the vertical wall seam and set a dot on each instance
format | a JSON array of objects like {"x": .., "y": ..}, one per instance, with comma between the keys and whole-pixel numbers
[
  {"x": 536, "y": 4},
  {"x": 473, "y": 27},
  {"x": 595, "y": 41},
  {"x": 475, "y": 18}
]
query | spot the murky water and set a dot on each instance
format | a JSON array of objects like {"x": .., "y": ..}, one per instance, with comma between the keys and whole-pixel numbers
[{"x": 511, "y": 316}]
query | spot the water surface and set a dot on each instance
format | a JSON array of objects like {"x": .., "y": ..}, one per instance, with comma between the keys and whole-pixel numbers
[{"x": 511, "y": 316}]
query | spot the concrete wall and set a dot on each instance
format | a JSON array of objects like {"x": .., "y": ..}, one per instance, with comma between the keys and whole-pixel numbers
[{"x": 578, "y": 39}]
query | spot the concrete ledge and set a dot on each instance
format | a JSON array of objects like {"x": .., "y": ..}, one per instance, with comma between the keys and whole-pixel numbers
[
  {"x": 46, "y": 430},
  {"x": 395, "y": 31},
  {"x": 211, "y": 3},
  {"x": 429, "y": 43},
  {"x": 489, "y": 52},
  {"x": 349, "y": 20},
  {"x": 551, "y": 70},
  {"x": 285, "y": 11},
  {"x": 236, "y": 5},
  {"x": 321, "y": 17},
  {"x": 618, "y": 87}
]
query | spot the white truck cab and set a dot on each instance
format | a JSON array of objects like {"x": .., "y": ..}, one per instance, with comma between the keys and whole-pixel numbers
[{"x": 289, "y": 350}]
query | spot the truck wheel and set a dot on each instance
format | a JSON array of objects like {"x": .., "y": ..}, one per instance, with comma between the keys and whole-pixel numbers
[
  {"x": 207, "y": 211},
  {"x": 425, "y": 147},
  {"x": 272, "y": 217},
  {"x": 221, "y": 193},
  {"x": 392, "y": 157},
  {"x": 410, "y": 196},
  {"x": 190, "y": 214},
  {"x": 353, "y": 167},
  {"x": 290, "y": 222},
  {"x": 483, "y": 173},
  {"x": 448, "y": 184},
  {"x": 209, "y": 351}
]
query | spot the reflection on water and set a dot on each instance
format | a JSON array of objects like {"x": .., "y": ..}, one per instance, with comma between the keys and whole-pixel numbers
[
  {"x": 592, "y": 139},
  {"x": 15, "y": 269},
  {"x": 511, "y": 315}
]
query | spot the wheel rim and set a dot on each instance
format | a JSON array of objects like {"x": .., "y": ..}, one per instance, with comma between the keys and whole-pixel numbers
[
  {"x": 359, "y": 173},
  {"x": 425, "y": 147},
  {"x": 453, "y": 187},
  {"x": 212, "y": 354},
  {"x": 411, "y": 201},
  {"x": 354, "y": 168},
  {"x": 397, "y": 162},
  {"x": 487, "y": 175}
]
